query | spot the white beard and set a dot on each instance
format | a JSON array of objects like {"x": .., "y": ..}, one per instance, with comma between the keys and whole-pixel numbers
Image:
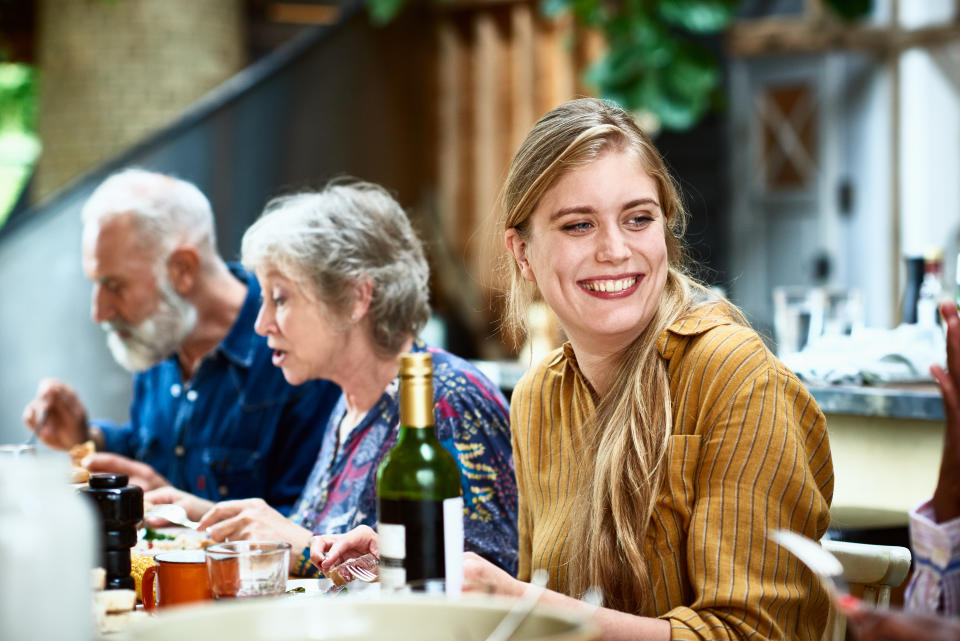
[{"x": 157, "y": 337}]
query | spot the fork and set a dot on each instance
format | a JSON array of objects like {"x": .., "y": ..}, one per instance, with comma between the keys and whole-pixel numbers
[
  {"x": 173, "y": 513},
  {"x": 351, "y": 572},
  {"x": 32, "y": 439}
]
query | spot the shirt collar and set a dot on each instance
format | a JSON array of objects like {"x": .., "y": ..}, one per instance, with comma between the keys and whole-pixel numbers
[
  {"x": 239, "y": 345},
  {"x": 699, "y": 320}
]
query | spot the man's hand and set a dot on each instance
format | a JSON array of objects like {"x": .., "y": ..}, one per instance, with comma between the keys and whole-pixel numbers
[
  {"x": 252, "y": 519},
  {"x": 195, "y": 506},
  {"x": 139, "y": 473},
  {"x": 895, "y": 625},
  {"x": 946, "y": 498},
  {"x": 330, "y": 550},
  {"x": 57, "y": 415}
]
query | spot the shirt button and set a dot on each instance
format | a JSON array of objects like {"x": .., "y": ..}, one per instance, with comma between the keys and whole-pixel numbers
[
  {"x": 175, "y": 390},
  {"x": 192, "y": 395},
  {"x": 179, "y": 450},
  {"x": 223, "y": 489}
]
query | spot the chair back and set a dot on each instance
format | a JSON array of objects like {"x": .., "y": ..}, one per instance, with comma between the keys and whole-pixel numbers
[{"x": 871, "y": 571}]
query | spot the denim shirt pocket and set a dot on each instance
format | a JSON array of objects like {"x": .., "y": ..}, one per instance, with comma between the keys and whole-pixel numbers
[{"x": 233, "y": 472}]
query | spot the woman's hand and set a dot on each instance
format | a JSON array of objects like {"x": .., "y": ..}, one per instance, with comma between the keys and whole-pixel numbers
[
  {"x": 195, "y": 506},
  {"x": 330, "y": 550},
  {"x": 252, "y": 519},
  {"x": 480, "y": 575}
]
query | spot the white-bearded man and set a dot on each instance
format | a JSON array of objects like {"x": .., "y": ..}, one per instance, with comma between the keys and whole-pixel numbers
[{"x": 210, "y": 413}]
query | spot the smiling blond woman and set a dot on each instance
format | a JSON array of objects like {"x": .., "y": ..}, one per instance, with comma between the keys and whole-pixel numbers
[{"x": 657, "y": 448}]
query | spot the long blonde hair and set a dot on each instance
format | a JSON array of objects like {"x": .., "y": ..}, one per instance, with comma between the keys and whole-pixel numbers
[{"x": 634, "y": 417}]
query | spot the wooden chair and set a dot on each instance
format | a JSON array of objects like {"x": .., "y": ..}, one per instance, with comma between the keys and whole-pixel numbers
[{"x": 871, "y": 571}]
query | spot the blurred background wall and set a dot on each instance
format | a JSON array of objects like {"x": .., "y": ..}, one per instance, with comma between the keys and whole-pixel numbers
[{"x": 825, "y": 152}]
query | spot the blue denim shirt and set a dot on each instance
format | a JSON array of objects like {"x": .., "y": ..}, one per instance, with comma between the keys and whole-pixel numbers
[{"x": 235, "y": 430}]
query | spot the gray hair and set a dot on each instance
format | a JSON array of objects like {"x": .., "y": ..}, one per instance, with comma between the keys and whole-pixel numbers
[
  {"x": 337, "y": 237},
  {"x": 167, "y": 212}
]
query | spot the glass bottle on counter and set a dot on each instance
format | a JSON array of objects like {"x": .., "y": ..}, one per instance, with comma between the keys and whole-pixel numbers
[
  {"x": 419, "y": 506},
  {"x": 931, "y": 290}
]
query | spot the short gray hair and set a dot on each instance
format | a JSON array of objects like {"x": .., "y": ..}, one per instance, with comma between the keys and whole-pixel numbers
[
  {"x": 167, "y": 212},
  {"x": 334, "y": 238}
]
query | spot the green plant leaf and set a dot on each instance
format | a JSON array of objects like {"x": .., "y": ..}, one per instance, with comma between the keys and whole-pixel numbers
[
  {"x": 692, "y": 73},
  {"x": 698, "y": 16},
  {"x": 642, "y": 40},
  {"x": 675, "y": 111},
  {"x": 383, "y": 11},
  {"x": 591, "y": 13}
]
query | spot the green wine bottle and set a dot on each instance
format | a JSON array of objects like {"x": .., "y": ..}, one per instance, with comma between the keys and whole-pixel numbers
[{"x": 419, "y": 507}]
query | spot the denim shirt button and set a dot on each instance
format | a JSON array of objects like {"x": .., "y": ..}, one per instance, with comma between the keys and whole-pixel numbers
[
  {"x": 192, "y": 395},
  {"x": 179, "y": 450},
  {"x": 223, "y": 489},
  {"x": 175, "y": 390}
]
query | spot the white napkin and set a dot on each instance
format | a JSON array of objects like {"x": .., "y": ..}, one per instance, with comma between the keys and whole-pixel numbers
[{"x": 872, "y": 356}]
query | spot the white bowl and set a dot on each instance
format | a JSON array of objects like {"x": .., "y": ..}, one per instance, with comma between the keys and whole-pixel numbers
[{"x": 343, "y": 618}]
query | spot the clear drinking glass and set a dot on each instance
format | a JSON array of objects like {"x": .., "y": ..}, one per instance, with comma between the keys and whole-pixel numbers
[{"x": 241, "y": 569}]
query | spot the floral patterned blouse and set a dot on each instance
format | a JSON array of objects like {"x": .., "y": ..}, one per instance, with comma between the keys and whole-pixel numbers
[{"x": 472, "y": 422}]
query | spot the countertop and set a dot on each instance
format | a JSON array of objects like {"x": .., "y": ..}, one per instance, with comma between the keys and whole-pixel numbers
[{"x": 901, "y": 401}]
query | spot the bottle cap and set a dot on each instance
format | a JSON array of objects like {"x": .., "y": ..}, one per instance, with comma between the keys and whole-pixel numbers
[
  {"x": 108, "y": 481},
  {"x": 416, "y": 364},
  {"x": 416, "y": 390}
]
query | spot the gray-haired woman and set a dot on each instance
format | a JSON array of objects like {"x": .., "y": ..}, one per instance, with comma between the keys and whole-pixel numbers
[{"x": 345, "y": 292}]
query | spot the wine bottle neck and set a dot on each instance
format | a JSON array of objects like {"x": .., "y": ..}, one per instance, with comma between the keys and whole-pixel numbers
[
  {"x": 416, "y": 402},
  {"x": 418, "y": 432}
]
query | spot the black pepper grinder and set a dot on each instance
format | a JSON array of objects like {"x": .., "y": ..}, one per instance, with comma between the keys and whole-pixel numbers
[{"x": 120, "y": 507}]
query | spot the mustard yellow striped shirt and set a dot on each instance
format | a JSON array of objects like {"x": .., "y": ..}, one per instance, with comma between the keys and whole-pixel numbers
[{"x": 749, "y": 452}]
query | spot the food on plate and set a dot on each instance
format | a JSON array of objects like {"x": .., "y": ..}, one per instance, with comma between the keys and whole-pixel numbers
[
  {"x": 79, "y": 474},
  {"x": 114, "y": 609},
  {"x": 121, "y": 620},
  {"x": 112, "y": 601},
  {"x": 81, "y": 451},
  {"x": 153, "y": 541},
  {"x": 138, "y": 565},
  {"x": 152, "y": 535},
  {"x": 98, "y": 578}
]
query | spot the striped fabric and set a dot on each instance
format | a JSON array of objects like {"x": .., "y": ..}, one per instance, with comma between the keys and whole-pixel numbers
[
  {"x": 935, "y": 584},
  {"x": 749, "y": 453}
]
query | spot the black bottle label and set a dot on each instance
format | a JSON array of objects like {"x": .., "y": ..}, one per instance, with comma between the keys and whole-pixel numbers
[{"x": 413, "y": 544}]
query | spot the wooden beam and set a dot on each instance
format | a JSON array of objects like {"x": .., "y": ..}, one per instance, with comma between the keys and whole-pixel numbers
[
  {"x": 522, "y": 73},
  {"x": 450, "y": 142},
  {"x": 293, "y": 13},
  {"x": 491, "y": 123},
  {"x": 778, "y": 36}
]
